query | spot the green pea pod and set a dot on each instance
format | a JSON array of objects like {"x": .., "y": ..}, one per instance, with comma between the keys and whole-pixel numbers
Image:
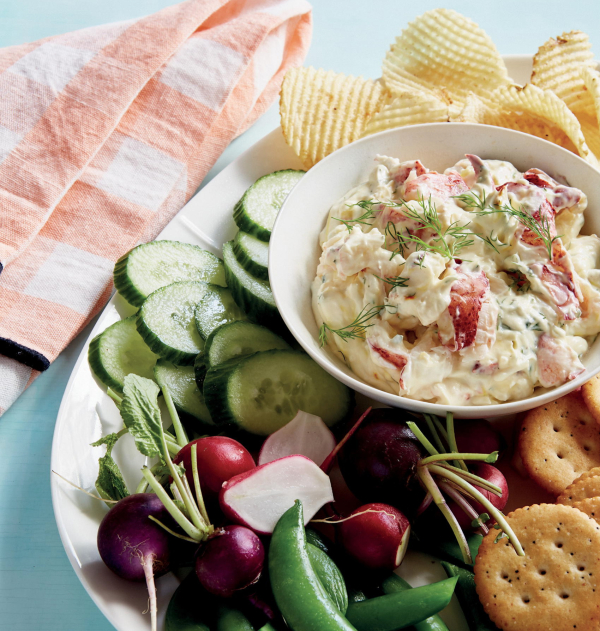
[
  {"x": 451, "y": 549},
  {"x": 267, "y": 627},
  {"x": 476, "y": 617},
  {"x": 230, "y": 619},
  {"x": 330, "y": 576},
  {"x": 402, "y": 609},
  {"x": 299, "y": 594},
  {"x": 394, "y": 584},
  {"x": 318, "y": 540},
  {"x": 186, "y": 611}
]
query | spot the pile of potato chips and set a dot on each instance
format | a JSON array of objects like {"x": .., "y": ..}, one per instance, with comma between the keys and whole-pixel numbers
[{"x": 444, "y": 68}]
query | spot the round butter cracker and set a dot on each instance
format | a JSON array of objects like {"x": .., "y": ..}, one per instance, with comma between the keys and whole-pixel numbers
[
  {"x": 587, "y": 485},
  {"x": 591, "y": 395},
  {"x": 559, "y": 441},
  {"x": 556, "y": 585}
]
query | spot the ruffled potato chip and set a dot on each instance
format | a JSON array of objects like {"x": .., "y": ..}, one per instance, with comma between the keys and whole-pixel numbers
[
  {"x": 409, "y": 109},
  {"x": 442, "y": 48},
  {"x": 530, "y": 110},
  {"x": 323, "y": 111},
  {"x": 557, "y": 66}
]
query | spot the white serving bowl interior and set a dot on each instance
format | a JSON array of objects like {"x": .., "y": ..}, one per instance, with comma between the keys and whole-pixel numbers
[{"x": 294, "y": 247}]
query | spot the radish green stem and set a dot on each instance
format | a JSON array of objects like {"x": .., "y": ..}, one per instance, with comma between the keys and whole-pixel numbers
[
  {"x": 172, "y": 445},
  {"x": 182, "y": 438},
  {"x": 422, "y": 438},
  {"x": 463, "y": 504},
  {"x": 438, "y": 498},
  {"x": 197, "y": 488},
  {"x": 440, "y": 428},
  {"x": 434, "y": 433},
  {"x": 171, "y": 532},
  {"x": 115, "y": 397},
  {"x": 490, "y": 458},
  {"x": 143, "y": 485},
  {"x": 474, "y": 479},
  {"x": 424, "y": 504},
  {"x": 170, "y": 505},
  {"x": 452, "y": 438},
  {"x": 475, "y": 494},
  {"x": 195, "y": 515},
  {"x": 147, "y": 563}
]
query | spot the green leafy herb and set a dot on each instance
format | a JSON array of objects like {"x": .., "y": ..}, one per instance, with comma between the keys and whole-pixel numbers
[
  {"x": 394, "y": 281},
  {"x": 492, "y": 241},
  {"x": 110, "y": 483},
  {"x": 519, "y": 281},
  {"x": 141, "y": 414},
  {"x": 363, "y": 219},
  {"x": 540, "y": 227},
  {"x": 356, "y": 329}
]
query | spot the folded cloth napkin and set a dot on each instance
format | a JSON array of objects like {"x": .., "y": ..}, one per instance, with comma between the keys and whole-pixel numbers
[{"x": 105, "y": 133}]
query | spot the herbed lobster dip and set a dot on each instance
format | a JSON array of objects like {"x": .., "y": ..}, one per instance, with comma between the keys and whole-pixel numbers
[{"x": 468, "y": 287}]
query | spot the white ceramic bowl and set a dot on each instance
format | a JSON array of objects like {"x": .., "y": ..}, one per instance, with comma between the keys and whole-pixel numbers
[{"x": 294, "y": 247}]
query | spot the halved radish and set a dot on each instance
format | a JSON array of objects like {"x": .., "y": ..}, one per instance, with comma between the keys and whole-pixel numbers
[
  {"x": 306, "y": 434},
  {"x": 259, "y": 497}
]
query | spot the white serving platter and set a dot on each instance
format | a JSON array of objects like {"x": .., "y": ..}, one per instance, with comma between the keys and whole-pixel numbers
[{"x": 87, "y": 413}]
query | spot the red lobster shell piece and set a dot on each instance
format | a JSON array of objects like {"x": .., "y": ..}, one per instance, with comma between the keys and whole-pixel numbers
[
  {"x": 458, "y": 326},
  {"x": 561, "y": 197},
  {"x": 439, "y": 185},
  {"x": 406, "y": 168},
  {"x": 557, "y": 364}
]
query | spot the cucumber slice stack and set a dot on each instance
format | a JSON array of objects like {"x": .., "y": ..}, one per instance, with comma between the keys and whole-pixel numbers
[
  {"x": 256, "y": 212},
  {"x": 152, "y": 265},
  {"x": 198, "y": 331}
]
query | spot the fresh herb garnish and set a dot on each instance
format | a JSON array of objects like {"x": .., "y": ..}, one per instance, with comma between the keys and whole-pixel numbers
[
  {"x": 363, "y": 219},
  {"x": 492, "y": 241},
  {"x": 519, "y": 281},
  {"x": 394, "y": 281},
  {"x": 540, "y": 227},
  {"x": 356, "y": 329}
]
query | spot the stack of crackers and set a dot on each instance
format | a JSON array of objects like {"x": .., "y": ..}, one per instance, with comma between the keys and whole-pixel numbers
[
  {"x": 444, "y": 68},
  {"x": 555, "y": 586}
]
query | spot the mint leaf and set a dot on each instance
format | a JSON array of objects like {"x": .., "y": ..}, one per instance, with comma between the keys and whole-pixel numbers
[
  {"x": 109, "y": 440},
  {"x": 141, "y": 414},
  {"x": 110, "y": 483}
]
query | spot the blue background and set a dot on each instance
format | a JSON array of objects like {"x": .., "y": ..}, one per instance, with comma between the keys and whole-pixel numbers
[{"x": 38, "y": 588}]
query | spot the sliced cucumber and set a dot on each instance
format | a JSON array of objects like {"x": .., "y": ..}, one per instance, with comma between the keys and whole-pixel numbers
[
  {"x": 264, "y": 391},
  {"x": 166, "y": 321},
  {"x": 118, "y": 351},
  {"x": 152, "y": 265},
  {"x": 252, "y": 295},
  {"x": 256, "y": 212},
  {"x": 237, "y": 339},
  {"x": 200, "y": 368},
  {"x": 217, "y": 308},
  {"x": 181, "y": 382},
  {"x": 253, "y": 254}
]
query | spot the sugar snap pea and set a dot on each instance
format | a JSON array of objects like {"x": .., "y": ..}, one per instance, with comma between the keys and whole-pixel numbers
[
  {"x": 401, "y": 609},
  {"x": 186, "y": 610},
  {"x": 329, "y": 575},
  {"x": 231, "y": 619},
  {"x": 299, "y": 594},
  {"x": 476, "y": 617},
  {"x": 394, "y": 584}
]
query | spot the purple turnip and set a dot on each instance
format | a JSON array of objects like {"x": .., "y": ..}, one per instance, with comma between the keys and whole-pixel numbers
[
  {"x": 379, "y": 462},
  {"x": 376, "y": 535},
  {"x": 132, "y": 545},
  {"x": 230, "y": 560}
]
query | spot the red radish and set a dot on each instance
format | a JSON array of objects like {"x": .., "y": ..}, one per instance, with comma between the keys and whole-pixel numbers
[
  {"x": 376, "y": 535},
  {"x": 219, "y": 459},
  {"x": 327, "y": 464},
  {"x": 132, "y": 545},
  {"x": 231, "y": 559},
  {"x": 491, "y": 474},
  {"x": 476, "y": 436},
  {"x": 259, "y": 497},
  {"x": 380, "y": 460},
  {"x": 306, "y": 434}
]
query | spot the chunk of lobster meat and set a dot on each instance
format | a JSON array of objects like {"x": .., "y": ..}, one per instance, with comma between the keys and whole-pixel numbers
[
  {"x": 557, "y": 363},
  {"x": 470, "y": 317},
  {"x": 544, "y": 216},
  {"x": 442, "y": 186},
  {"x": 388, "y": 352},
  {"x": 561, "y": 287},
  {"x": 559, "y": 196},
  {"x": 412, "y": 168}
]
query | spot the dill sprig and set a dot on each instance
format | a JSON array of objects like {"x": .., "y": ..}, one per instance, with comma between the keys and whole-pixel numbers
[
  {"x": 541, "y": 228},
  {"x": 427, "y": 216},
  {"x": 394, "y": 281},
  {"x": 363, "y": 219},
  {"x": 492, "y": 241},
  {"x": 356, "y": 329}
]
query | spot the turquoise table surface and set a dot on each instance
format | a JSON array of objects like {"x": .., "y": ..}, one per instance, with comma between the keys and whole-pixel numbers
[{"x": 38, "y": 588}]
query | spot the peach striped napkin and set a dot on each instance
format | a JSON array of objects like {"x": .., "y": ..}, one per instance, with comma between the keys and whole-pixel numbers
[{"x": 105, "y": 133}]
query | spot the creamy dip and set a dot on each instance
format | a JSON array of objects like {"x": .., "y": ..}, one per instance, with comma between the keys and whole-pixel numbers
[{"x": 468, "y": 287}]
